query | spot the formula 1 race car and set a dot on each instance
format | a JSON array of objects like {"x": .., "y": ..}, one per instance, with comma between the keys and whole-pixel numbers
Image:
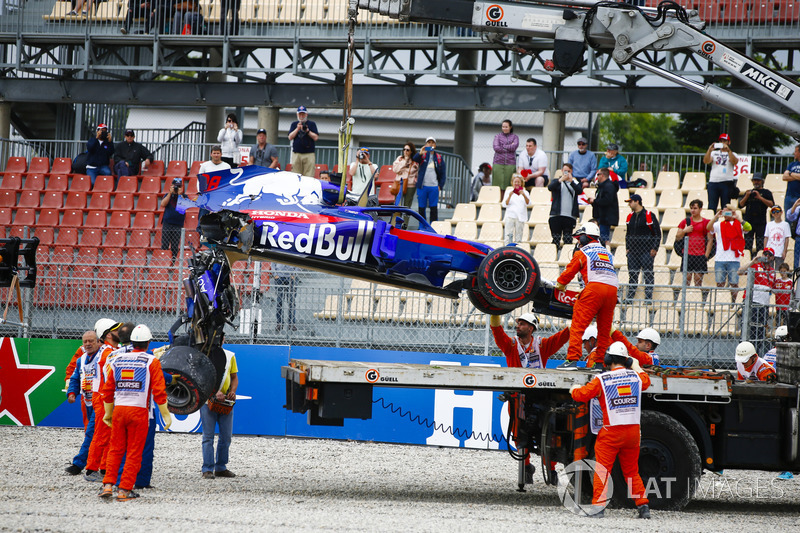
[{"x": 284, "y": 217}]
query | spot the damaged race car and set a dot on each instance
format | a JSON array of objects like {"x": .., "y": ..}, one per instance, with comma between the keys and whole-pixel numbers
[{"x": 272, "y": 215}]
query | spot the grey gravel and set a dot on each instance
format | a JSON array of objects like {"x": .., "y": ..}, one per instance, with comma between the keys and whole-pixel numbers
[{"x": 285, "y": 484}]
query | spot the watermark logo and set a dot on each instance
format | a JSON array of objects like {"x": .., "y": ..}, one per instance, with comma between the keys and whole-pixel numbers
[{"x": 574, "y": 502}]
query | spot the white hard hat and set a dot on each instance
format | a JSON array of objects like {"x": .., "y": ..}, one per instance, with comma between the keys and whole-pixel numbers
[
  {"x": 589, "y": 333},
  {"x": 141, "y": 333},
  {"x": 530, "y": 318},
  {"x": 781, "y": 332},
  {"x": 744, "y": 351},
  {"x": 618, "y": 349},
  {"x": 102, "y": 326},
  {"x": 649, "y": 334},
  {"x": 590, "y": 229}
]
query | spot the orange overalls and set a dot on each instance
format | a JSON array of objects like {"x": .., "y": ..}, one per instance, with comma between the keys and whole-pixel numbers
[
  {"x": 132, "y": 377},
  {"x": 99, "y": 447},
  {"x": 619, "y": 391},
  {"x": 760, "y": 370},
  {"x": 598, "y": 299}
]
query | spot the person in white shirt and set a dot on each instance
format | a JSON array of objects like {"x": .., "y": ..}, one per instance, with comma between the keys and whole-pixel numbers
[
  {"x": 361, "y": 172},
  {"x": 216, "y": 163},
  {"x": 776, "y": 235},
  {"x": 721, "y": 179},
  {"x": 230, "y": 137},
  {"x": 516, "y": 203},
  {"x": 532, "y": 165}
]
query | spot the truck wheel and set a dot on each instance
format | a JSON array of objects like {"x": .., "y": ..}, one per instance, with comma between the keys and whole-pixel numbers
[
  {"x": 195, "y": 381},
  {"x": 669, "y": 464},
  {"x": 508, "y": 277}
]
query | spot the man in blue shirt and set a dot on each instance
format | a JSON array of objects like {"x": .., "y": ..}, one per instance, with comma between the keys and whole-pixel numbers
[
  {"x": 611, "y": 159},
  {"x": 584, "y": 162},
  {"x": 792, "y": 175},
  {"x": 172, "y": 221},
  {"x": 304, "y": 134},
  {"x": 100, "y": 150}
]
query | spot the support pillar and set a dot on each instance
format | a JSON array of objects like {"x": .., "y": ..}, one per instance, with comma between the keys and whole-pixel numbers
[
  {"x": 268, "y": 119},
  {"x": 464, "y": 132},
  {"x": 738, "y": 128},
  {"x": 553, "y": 139},
  {"x": 5, "y": 120},
  {"x": 215, "y": 115}
]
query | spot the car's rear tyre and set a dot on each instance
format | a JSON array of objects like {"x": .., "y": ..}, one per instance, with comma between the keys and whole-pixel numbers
[
  {"x": 196, "y": 378},
  {"x": 508, "y": 277}
]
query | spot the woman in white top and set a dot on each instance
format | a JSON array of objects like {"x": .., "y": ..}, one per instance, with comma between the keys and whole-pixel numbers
[
  {"x": 361, "y": 172},
  {"x": 516, "y": 203},
  {"x": 229, "y": 138}
]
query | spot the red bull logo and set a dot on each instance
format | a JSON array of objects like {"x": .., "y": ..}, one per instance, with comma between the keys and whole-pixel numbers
[
  {"x": 566, "y": 297},
  {"x": 321, "y": 240}
]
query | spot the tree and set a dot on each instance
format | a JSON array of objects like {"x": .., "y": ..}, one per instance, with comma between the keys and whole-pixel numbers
[
  {"x": 696, "y": 131},
  {"x": 638, "y": 132}
]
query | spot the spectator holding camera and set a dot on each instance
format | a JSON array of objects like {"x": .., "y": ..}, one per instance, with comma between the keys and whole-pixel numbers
[
  {"x": 304, "y": 134},
  {"x": 430, "y": 179},
  {"x": 361, "y": 172},
  {"x": 721, "y": 179},
  {"x": 728, "y": 230},
  {"x": 131, "y": 157},
  {"x": 100, "y": 151},
  {"x": 172, "y": 221},
  {"x": 230, "y": 137},
  {"x": 516, "y": 202},
  {"x": 756, "y": 201}
]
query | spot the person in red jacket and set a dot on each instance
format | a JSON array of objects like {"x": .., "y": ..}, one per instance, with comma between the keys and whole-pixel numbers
[
  {"x": 132, "y": 379},
  {"x": 598, "y": 299},
  {"x": 620, "y": 394},
  {"x": 750, "y": 366}
]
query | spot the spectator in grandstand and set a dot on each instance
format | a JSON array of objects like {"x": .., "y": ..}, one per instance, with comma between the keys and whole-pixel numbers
[
  {"x": 729, "y": 234},
  {"x": 285, "y": 281},
  {"x": 188, "y": 20},
  {"x": 130, "y": 157},
  {"x": 505, "y": 146},
  {"x": 532, "y": 165},
  {"x": 763, "y": 281},
  {"x": 215, "y": 164},
  {"x": 699, "y": 246},
  {"x": 564, "y": 194},
  {"x": 516, "y": 202},
  {"x": 362, "y": 172},
  {"x": 792, "y": 176},
  {"x": 136, "y": 9},
  {"x": 642, "y": 240},
  {"x": 584, "y": 162},
  {"x": 304, "y": 134},
  {"x": 81, "y": 7},
  {"x": 783, "y": 294},
  {"x": 432, "y": 177},
  {"x": 776, "y": 235},
  {"x": 264, "y": 154},
  {"x": 231, "y": 6},
  {"x": 100, "y": 151},
  {"x": 756, "y": 201},
  {"x": 406, "y": 170},
  {"x": 229, "y": 138},
  {"x": 172, "y": 220},
  {"x": 750, "y": 366},
  {"x": 605, "y": 205},
  {"x": 325, "y": 175},
  {"x": 483, "y": 177},
  {"x": 616, "y": 163},
  {"x": 721, "y": 180}
]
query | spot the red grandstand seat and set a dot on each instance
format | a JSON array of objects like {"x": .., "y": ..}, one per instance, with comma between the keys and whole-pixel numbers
[
  {"x": 384, "y": 196},
  {"x": 67, "y": 236},
  {"x": 149, "y": 203},
  {"x": 136, "y": 256},
  {"x": 87, "y": 255},
  {"x": 100, "y": 200},
  {"x": 120, "y": 219},
  {"x": 34, "y": 182},
  {"x": 8, "y": 199},
  {"x": 81, "y": 182},
  {"x": 788, "y": 11},
  {"x": 46, "y": 293},
  {"x": 195, "y": 168},
  {"x": 46, "y": 235},
  {"x": 161, "y": 257},
  {"x": 156, "y": 168},
  {"x": 16, "y": 165},
  {"x": 192, "y": 239},
  {"x": 140, "y": 240},
  {"x": 63, "y": 254},
  {"x": 75, "y": 200},
  {"x": 116, "y": 238},
  {"x": 49, "y": 217},
  {"x": 53, "y": 199},
  {"x": 92, "y": 237},
  {"x": 39, "y": 165},
  {"x": 128, "y": 184},
  {"x": 144, "y": 220},
  {"x": 5, "y": 216},
  {"x": 191, "y": 185},
  {"x": 29, "y": 199},
  {"x": 176, "y": 169},
  {"x": 96, "y": 219},
  {"x": 105, "y": 292},
  {"x": 61, "y": 165},
  {"x": 103, "y": 184},
  {"x": 385, "y": 175},
  {"x": 288, "y": 167},
  {"x": 43, "y": 254},
  {"x": 128, "y": 296},
  {"x": 123, "y": 202},
  {"x": 25, "y": 217},
  {"x": 151, "y": 184},
  {"x": 111, "y": 256},
  {"x": 12, "y": 182},
  {"x": 60, "y": 182},
  {"x": 190, "y": 221},
  {"x": 22, "y": 232},
  {"x": 78, "y": 286},
  {"x": 157, "y": 288},
  {"x": 72, "y": 218}
]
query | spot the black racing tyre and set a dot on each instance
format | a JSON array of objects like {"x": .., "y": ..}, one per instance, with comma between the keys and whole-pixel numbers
[
  {"x": 508, "y": 277},
  {"x": 481, "y": 304},
  {"x": 195, "y": 381},
  {"x": 669, "y": 454}
]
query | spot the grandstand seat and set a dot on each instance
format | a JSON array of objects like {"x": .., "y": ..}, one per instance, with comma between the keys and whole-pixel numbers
[
  {"x": 540, "y": 196},
  {"x": 192, "y": 240},
  {"x": 385, "y": 196},
  {"x": 670, "y": 198},
  {"x": 78, "y": 285},
  {"x": 489, "y": 194},
  {"x": 195, "y": 168},
  {"x": 385, "y": 175},
  {"x": 565, "y": 256},
  {"x": 547, "y": 254},
  {"x": 111, "y": 256},
  {"x": 46, "y": 235},
  {"x": 103, "y": 184},
  {"x": 60, "y": 182},
  {"x": 67, "y": 237},
  {"x": 100, "y": 200},
  {"x": 191, "y": 185},
  {"x": 127, "y": 184},
  {"x": 21, "y": 232},
  {"x": 34, "y": 182},
  {"x": 96, "y": 219},
  {"x": 87, "y": 255},
  {"x": 176, "y": 169},
  {"x": 161, "y": 257},
  {"x": 774, "y": 182},
  {"x": 490, "y": 213},
  {"x": 140, "y": 239},
  {"x": 123, "y": 202},
  {"x": 466, "y": 229},
  {"x": 693, "y": 181},
  {"x": 49, "y": 217},
  {"x": 156, "y": 168},
  {"x": 16, "y": 165},
  {"x": 151, "y": 184},
  {"x": 623, "y": 195},
  {"x": 120, "y": 219},
  {"x": 8, "y": 199},
  {"x": 144, "y": 220},
  {"x": 116, "y": 238},
  {"x": 72, "y": 218},
  {"x": 667, "y": 181},
  {"x": 39, "y": 165},
  {"x": 493, "y": 231},
  {"x": 618, "y": 236},
  {"x": 5, "y": 219},
  {"x": 696, "y": 195},
  {"x": 190, "y": 220},
  {"x": 136, "y": 257},
  {"x": 541, "y": 234},
  {"x": 648, "y": 197},
  {"x": 149, "y": 203},
  {"x": 744, "y": 182},
  {"x": 671, "y": 235},
  {"x": 74, "y": 200},
  {"x": 463, "y": 212},
  {"x": 61, "y": 165},
  {"x": 92, "y": 237},
  {"x": 11, "y": 182},
  {"x": 156, "y": 289},
  {"x": 442, "y": 227},
  {"x": 539, "y": 215},
  {"x": 29, "y": 199},
  {"x": 642, "y": 175}
]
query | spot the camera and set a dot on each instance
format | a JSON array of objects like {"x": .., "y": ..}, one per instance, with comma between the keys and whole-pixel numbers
[
  {"x": 727, "y": 213},
  {"x": 176, "y": 184},
  {"x": 103, "y": 135},
  {"x": 717, "y": 146},
  {"x": 361, "y": 156}
]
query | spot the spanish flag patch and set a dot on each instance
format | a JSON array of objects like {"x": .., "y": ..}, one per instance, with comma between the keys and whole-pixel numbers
[
  {"x": 603, "y": 256},
  {"x": 127, "y": 373},
  {"x": 624, "y": 390}
]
